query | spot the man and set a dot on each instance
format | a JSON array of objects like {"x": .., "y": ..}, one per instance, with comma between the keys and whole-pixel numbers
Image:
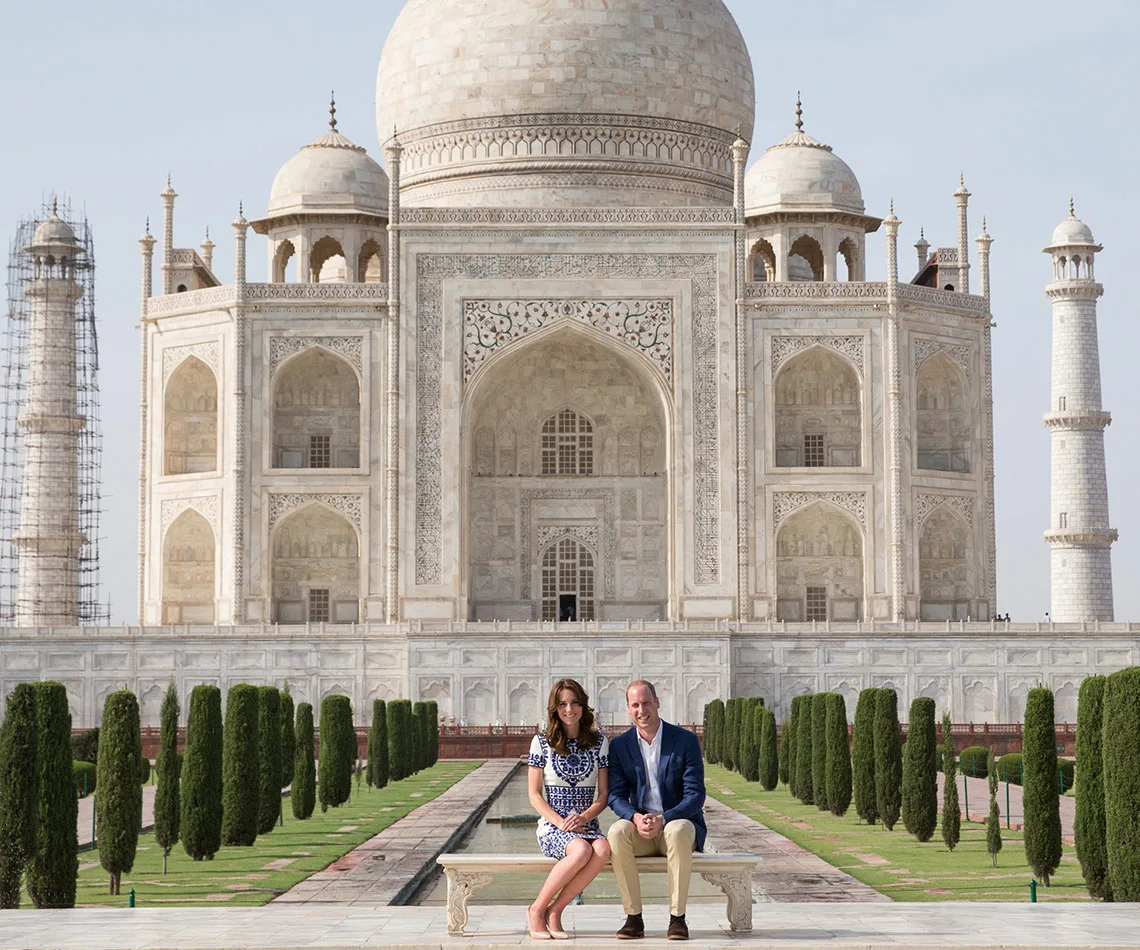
[{"x": 657, "y": 790}]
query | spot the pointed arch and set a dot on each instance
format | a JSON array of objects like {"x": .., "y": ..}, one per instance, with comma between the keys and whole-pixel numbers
[
  {"x": 805, "y": 259},
  {"x": 943, "y": 417},
  {"x": 316, "y": 411},
  {"x": 819, "y": 565},
  {"x": 315, "y": 567},
  {"x": 370, "y": 263},
  {"x": 188, "y": 572},
  {"x": 762, "y": 262},
  {"x": 567, "y": 446},
  {"x": 281, "y": 258},
  {"x": 818, "y": 415},
  {"x": 849, "y": 252},
  {"x": 190, "y": 419},
  {"x": 945, "y": 566},
  {"x": 568, "y": 584},
  {"x": 327, "y": 264}
]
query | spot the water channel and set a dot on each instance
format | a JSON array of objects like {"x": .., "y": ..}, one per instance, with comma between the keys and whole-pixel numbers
[{"x": 515, "y": 837}]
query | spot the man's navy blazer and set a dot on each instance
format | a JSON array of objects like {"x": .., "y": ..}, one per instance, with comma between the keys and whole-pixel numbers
[{"x": 680, "y": 775}]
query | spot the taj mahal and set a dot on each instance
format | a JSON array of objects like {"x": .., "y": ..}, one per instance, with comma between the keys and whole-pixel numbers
[{"x": 581, "y": 374}]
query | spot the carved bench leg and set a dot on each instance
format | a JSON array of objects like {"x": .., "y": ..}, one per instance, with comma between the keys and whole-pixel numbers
[
  {"x": 737, "y": 887},
  {"x": 460, "y": 886}
]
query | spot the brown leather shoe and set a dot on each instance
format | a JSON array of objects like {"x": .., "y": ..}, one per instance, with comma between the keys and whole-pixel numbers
[
  {"x": 633, "y": 928},
  {"x": 678, "y": 929}
]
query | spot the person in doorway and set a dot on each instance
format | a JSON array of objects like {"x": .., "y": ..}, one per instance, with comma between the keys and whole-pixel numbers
[
  {"x": 657, "y": 790},
  {"x": 568, "y": 783}
]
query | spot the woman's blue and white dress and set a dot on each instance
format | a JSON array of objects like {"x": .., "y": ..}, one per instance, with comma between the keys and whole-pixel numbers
[{"x": 570, "y": 782}]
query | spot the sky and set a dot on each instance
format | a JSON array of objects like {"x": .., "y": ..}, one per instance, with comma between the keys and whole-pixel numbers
[{"x": 1032, "y": 100}]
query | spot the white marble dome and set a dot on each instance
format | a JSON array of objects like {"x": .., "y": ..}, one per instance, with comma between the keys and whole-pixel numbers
[
  {"x": 1071, "y": 231},
  {"x": 481, "y": 92},
  {"x": 800, "y": 173},
  {"x": 54, "y": 232},
  {"x": 331, "y": 174}
]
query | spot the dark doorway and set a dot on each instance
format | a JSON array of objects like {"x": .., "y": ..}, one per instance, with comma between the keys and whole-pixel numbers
[{"x": 567, "y": 607}]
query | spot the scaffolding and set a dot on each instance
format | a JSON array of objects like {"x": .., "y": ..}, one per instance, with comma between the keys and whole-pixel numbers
[{"x": 18, "y": 516}]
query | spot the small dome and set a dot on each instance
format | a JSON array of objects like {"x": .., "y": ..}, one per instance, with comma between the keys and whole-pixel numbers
[
  {"x": 800, "y": 173},
  {"x": 331, "y": 174},
  {"x": 1072, "y": 231},
  {"x": 55, "y": 231}
]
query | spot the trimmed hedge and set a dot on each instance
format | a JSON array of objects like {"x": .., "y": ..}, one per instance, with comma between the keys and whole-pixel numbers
[
  {"x": 118, "y": 817},
  {"x": 1089, "y": 828},
  {"x": 18, "y": 799},
  {"x": 888, "y": 758},
  {"x": 804, "y": 785},
  {"x": 768, "y": 764},
  {"x": 993, "y": 820},
  {"x": 863, "y": 756},
  {"x": 1121, "y": 751},
  {"x": 304, "y": 793},
  {"x": 377, "y": 773},
  {"x": 1011, "y": 768},
  {"x": 714, "y": 729},
  {"x": 791, "y": 736},
  {"x": 951, "y": 812},
  {"x": 241, "y": 767},
  {"x": 423, "y": 735},
  {"x": 54, "y": 867},
  {"x": 399, "y": 739},
  {"x": 433, "y": 731},
  {"x": 749, "y": 740},
  {"x": 730, "y": 746},
  {"x": 201, "y": 786},
  {"x": 819, "y": 750},
  {"x": 338, "y": 752},
  {"x": 1040, "y": 795},
  {"x": 838, "y": 756},
  {"x": 920, "y": 771},
  {"x": 785, "y": 742},
  {"x": 269, "y": 758},
  {"x": 169, "y": 768},
  {"x": 972, "y": 761},
  {"x": 288, "y": 737}
]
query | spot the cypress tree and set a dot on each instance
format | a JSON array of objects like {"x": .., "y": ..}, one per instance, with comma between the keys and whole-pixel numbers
[
  {"x": 951, "y": 813},
  {"x": 399, "y": 739},
  {"x": 1121, "y": 752},
  {"x": 420, "y": 714},
  {"x": 716, "y": 726},
  {"x": 819, "y": 750},
  {"x": 785, "y": 742},
  {"x": 241, "y": 768},
  {"x": 749, "y": 748},
  {"x": 705, "y": 731},
  {"x": 166, "y": 801},
  {"x": 838, "y": 756},
  {"x": 201, "y": 786},
  {"x": 303, "y": 796},
  {"x": 433, "y": 731},
  {"x": 52, "y": 873},
  {"x": 888, "y": 758},
  {"x": 18, "y": 798},
  {"x": 769, "y": 753},
  {"x": 993, "y": 819},
  {"x": 118, "y": 818},
  {"x": 288, "y": 737},
  {"x": 337, "y": 739},
  {"x": 920, "y": 771},
  {"x": 377, "y": 773},
  {"x": 1090, "y": 827},
  {"x": 804, "y": 784},
  {"x": 269, "y": 758},
  {"x": 1039, "y": 794},
  {"x": 863, "y": 756},
  {"x": 790, "y": 740},
  {"x": 730, "y": 745}
]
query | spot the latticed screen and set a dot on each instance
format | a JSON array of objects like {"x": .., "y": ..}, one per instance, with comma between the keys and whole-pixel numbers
[
  {"x": 567, "y": 444},
  {"x": 567, "y": 571},
  {"x": 318, "y": 605},
  {"x": 813, "y": 451},
  {"x": 816, "y": 603},
  {"x": 320, "y": 451}
]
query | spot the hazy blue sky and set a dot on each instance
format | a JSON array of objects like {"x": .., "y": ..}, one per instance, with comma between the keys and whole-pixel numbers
[{"x": 1033, "y": 99}]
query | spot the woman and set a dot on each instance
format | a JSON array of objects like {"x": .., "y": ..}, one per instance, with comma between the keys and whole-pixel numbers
[{"x": 570, "y": 763}]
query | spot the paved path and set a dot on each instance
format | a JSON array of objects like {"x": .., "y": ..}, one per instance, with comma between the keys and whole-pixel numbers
[
  {"x": 980, "y": 804},
  {"x": 328, "y": 927},
  {"x": 83, "y": 821},
  {"x": 392, "y": 864}
]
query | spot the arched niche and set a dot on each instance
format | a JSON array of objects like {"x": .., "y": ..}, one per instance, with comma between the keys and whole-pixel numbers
[
  {"x": 943, "y": 416},
  {"x": 819, "y": 566},
  {"x": 619, "y": 507},
  {"x": 281, "y": 258},
  {"x": 805, "y": 259},
  {"x": 370, "y": 263},
  {"x": 327, "y": 263},
  {"x": 818, "y": 417},
  {"x": 190, "y": 420},
  {"x": 188, "y": 570},
  {"x": 946, "y": 575},
  {"x": 523, "y": 706},
  {"x": 568, "y": 583},
  {"x": 316, "y": 568},
  {"x": 478, "y": 704},
  {"x": 762, "y": 262},
  {"x": 316, "y": 412}
]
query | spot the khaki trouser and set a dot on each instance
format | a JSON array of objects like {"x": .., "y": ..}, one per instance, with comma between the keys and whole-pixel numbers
[{"x": 675, "y": 842}]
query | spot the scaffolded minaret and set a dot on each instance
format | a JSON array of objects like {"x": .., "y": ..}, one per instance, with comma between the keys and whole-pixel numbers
[{"x": 1079, "y": 534}]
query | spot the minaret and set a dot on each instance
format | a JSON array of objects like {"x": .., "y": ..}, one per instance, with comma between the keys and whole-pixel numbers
[
  {"x": 1079, "y": 534},
  {"x": 208, "y": 252},
  {"x": 168, "y": 197},
  {"x": 49, "y": 538},
  {"x": 962, "y": 199},
  {"x": 922, "y": 246}
]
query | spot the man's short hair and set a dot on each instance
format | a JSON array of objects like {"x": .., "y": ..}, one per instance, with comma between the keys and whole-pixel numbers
[{"x": 640, "y": 683}]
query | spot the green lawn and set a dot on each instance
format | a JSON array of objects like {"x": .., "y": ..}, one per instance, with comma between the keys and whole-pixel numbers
[
  {"x": 277, "y": 861},
  {"x": 893, "y": 862}
]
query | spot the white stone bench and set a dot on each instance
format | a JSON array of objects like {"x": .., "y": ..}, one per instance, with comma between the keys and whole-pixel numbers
[{"x": 732, "y": 873}]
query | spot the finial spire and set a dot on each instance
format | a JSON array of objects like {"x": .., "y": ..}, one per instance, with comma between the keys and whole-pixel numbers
[
  {"x": 799, "y": 113},
  {"x": 983, "y": 222},
  {"x": 332, "y": 110},
  {"x": 241, "y": 209},
  {"x": 54, "y": 206},
  {"x": 207, "y": 232},
  {"x": 1072, "y": 213},
  {"x": 892, "y": 206},
  {"x": 921, "y": 232},
  {"x": 148, "y": 224}
]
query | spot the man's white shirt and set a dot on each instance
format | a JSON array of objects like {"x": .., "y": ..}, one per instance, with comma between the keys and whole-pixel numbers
[{"x": 651, "y": 756}]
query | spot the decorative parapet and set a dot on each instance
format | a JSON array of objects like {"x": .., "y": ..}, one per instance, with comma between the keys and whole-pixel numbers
[
  {"x": 230, "y": 295},
  {"x": 1078, "y": 419},
  {"x": 869, "y": 291},
  {"x": 569, "y": 217}
]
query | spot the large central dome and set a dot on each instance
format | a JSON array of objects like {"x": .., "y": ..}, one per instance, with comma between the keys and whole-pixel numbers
[{"x": 631, "y": 102}]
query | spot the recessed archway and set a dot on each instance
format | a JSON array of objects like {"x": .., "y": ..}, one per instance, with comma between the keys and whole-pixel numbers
[
  {"x": 946, "y": 575},
  {"x": 943, "y": 416},
  {"x": 190, "y": 420},
  {"x": 316, "y": 412},
  {"x": 316, "y": 568},
  {"x": 818, "y": 416},
  {"x": 281, "y": 258},
  {"x": 819, "y": 566},
  {"x": 370, "y": 264},
  {"x": 805, "y": 259},
  {"x": 188, "y": 570},
  {"x": 327, "y": 263}
]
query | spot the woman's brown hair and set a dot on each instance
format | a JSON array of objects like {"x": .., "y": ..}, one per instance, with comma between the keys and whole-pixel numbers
[{"x": 588, "y": 736}]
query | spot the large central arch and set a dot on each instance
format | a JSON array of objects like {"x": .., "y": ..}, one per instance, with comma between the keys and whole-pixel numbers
[{"x": 567, "y": 434}]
